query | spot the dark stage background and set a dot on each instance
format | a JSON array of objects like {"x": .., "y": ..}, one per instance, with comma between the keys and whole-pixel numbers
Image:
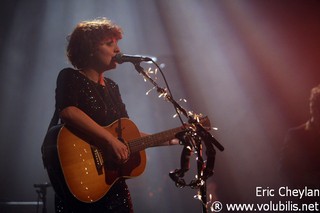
[{"x": 249, "y": 65}]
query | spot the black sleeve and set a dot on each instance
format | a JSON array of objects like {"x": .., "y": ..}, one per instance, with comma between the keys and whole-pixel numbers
[{"x": 67, "y": 91}]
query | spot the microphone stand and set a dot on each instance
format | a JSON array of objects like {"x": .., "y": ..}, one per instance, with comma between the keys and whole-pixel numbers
[
  {"x": 207, "y": 138},
  {"x": 42, "y": 194}
]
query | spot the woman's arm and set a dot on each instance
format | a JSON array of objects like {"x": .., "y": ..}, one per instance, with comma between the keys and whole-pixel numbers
[{"x": 103, "y": 139}]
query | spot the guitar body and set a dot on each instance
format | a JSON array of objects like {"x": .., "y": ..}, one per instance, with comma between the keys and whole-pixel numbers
[
  {"x": 88, "y": 174},
  {"x": 77, "y": 169}
]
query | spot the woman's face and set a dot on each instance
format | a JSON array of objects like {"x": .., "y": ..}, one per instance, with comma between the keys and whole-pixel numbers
[{"x": 105, "y": 53}]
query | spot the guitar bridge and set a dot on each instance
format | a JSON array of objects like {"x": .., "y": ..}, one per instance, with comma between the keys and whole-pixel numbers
[{"x": 98, "y": 160}]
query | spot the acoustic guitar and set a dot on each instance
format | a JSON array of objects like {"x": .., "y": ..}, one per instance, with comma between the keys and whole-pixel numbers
[{"x": 87, "y": 173}]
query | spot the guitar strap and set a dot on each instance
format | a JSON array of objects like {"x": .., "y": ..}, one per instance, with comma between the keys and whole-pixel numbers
[
  {"x": 119, "y": 130},
  {"x": 55, "y": 119}
]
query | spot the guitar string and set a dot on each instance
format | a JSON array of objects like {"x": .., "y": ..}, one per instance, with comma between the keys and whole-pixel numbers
[{"x": 166, "y": 135}]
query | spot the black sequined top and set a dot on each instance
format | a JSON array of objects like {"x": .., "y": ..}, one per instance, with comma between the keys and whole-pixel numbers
[{"x": 102, "y": 103}]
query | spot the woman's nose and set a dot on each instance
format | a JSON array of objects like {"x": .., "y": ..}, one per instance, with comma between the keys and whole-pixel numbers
[{"x": 117, "y": 49}]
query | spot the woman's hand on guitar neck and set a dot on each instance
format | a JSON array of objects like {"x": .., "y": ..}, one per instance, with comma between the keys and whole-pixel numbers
[{"x": 174, "y": 141}]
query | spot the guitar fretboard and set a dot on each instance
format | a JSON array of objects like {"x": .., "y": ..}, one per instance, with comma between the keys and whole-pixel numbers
[{"x": 153, "y": 140}]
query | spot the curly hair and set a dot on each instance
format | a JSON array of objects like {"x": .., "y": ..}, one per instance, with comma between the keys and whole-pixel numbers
[{"x": 85, "y": 38}]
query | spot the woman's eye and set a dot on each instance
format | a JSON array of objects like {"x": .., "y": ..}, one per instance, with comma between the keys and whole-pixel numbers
[{"x": 108, "y": 43}]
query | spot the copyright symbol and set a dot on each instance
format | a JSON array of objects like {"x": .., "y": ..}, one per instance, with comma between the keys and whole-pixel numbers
[{"x": 216, "y": 206}]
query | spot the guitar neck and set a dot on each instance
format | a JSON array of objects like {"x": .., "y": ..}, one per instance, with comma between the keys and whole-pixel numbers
[{"x": 153, "y": 140}]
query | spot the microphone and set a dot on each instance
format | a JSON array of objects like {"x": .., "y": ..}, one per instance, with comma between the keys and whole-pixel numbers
[{"x": 121, "y": 58}]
